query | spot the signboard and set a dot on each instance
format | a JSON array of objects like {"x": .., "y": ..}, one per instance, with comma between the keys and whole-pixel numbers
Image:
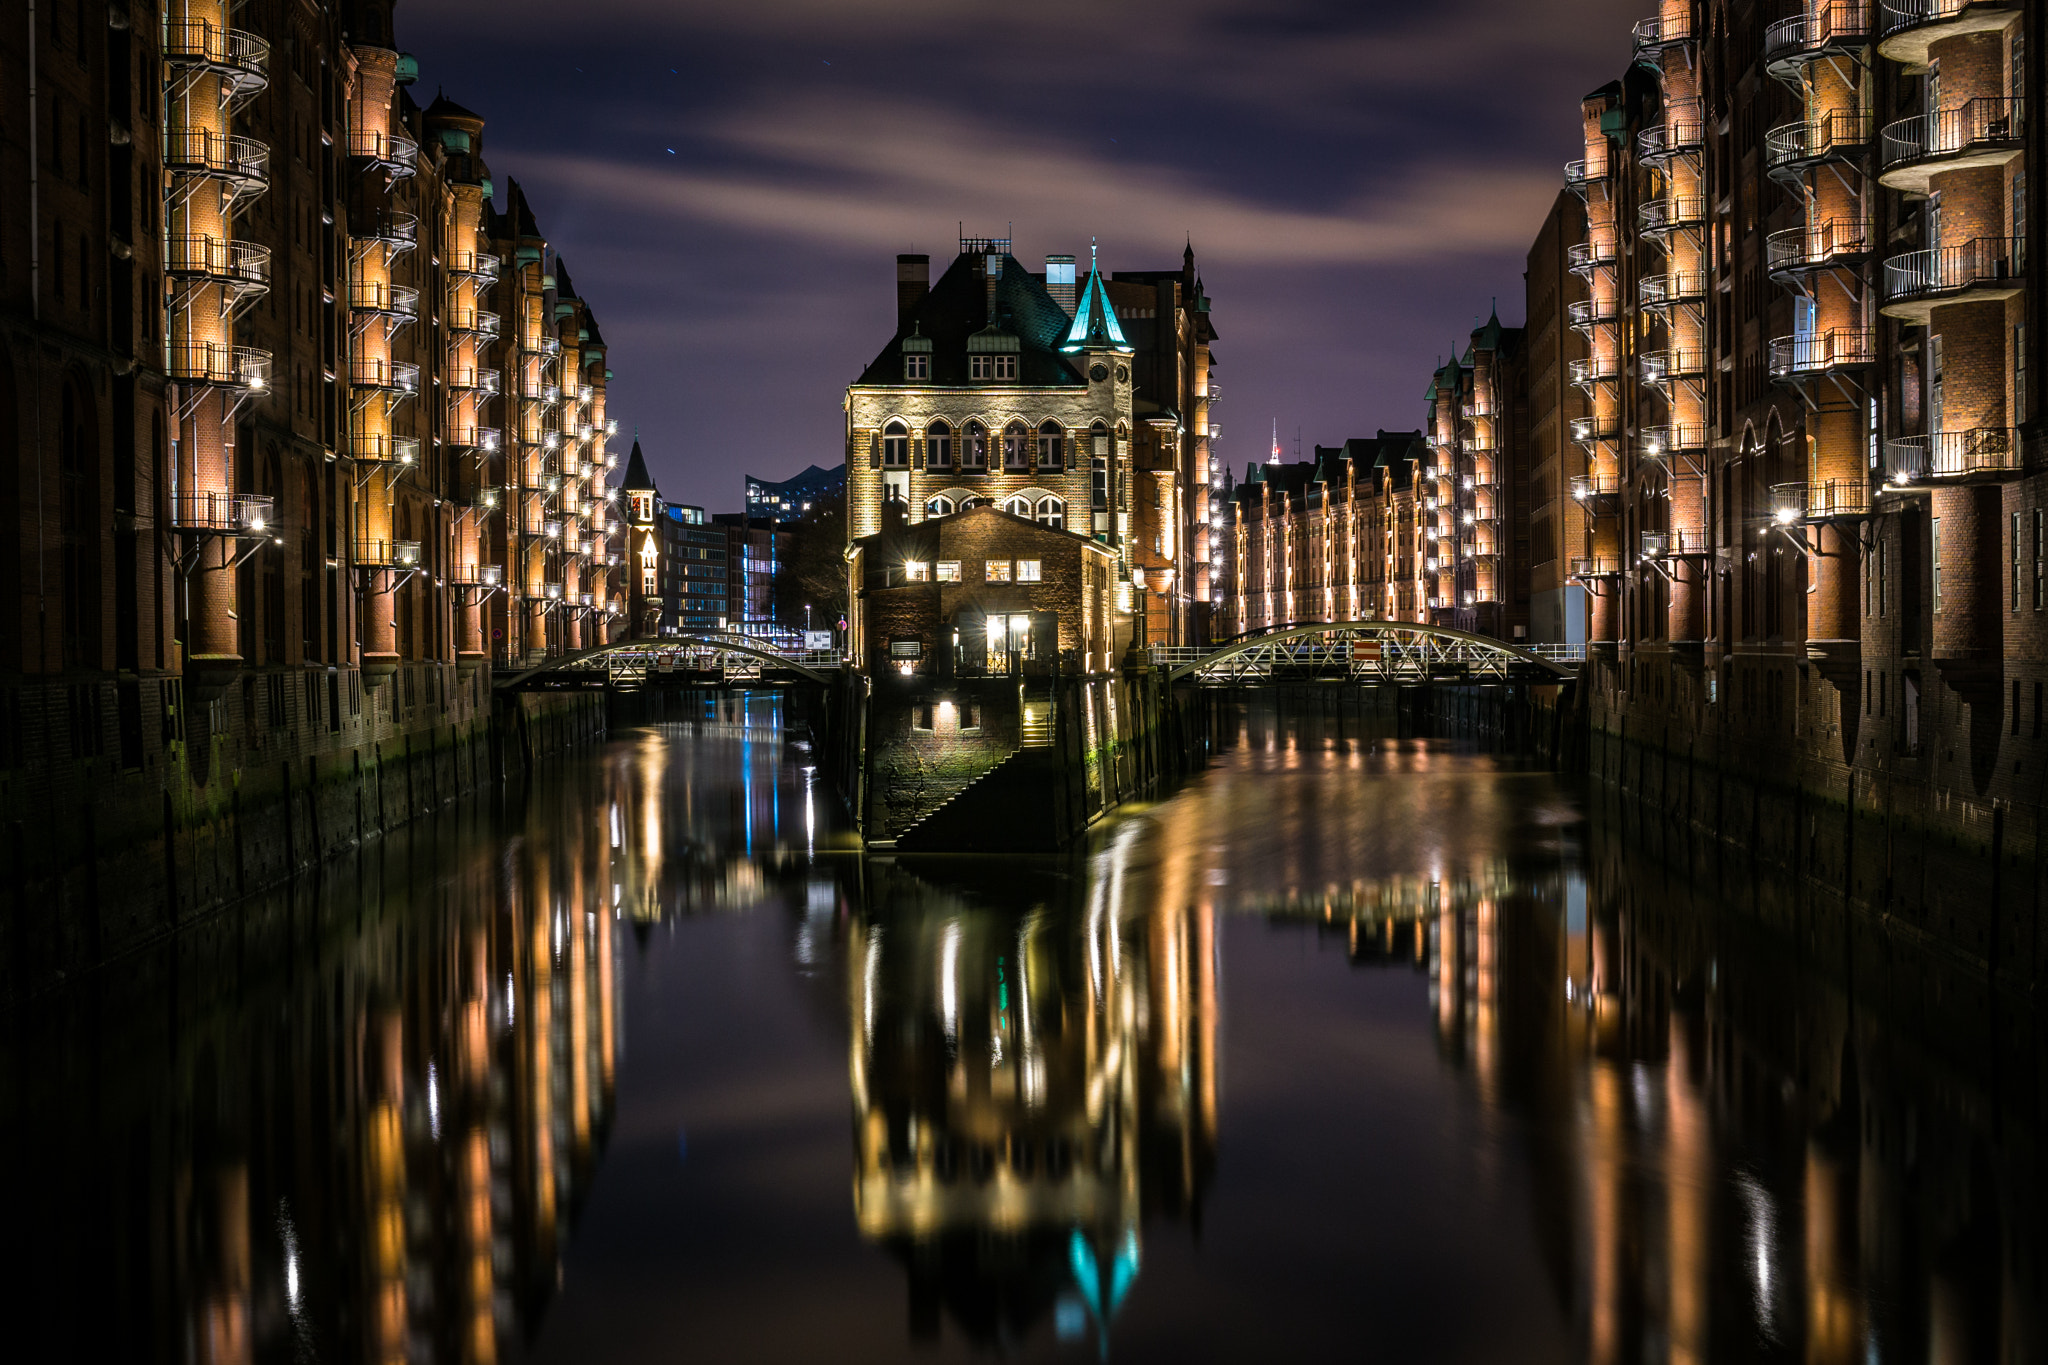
[
  {"x": 818, "y": 641},
  {"x": 906, "y": 649},
  {"x": 1365, "y": 651}
]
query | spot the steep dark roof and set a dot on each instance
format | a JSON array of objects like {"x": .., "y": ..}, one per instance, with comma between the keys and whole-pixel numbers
[
  {"x": 636, "y": 469},
  {"x": 563, "y": 289},
  {"x": 443, "y": 107},
  {"x": 957, "y": 307}
]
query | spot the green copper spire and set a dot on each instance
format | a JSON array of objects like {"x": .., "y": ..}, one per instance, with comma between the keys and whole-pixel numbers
[{"x": 1095, "y": 325}]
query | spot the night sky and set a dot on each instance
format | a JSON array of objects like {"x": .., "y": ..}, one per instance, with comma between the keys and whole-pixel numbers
[{"x": 729, "y": 184}]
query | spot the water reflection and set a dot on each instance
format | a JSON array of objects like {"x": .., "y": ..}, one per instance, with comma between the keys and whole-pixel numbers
[{"x": 1497, "y": 1085}]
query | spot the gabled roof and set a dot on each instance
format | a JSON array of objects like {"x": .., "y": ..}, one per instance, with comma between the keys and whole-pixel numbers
[
  {"x": 958, "y": 307},
  {"x": 1095, "y": 325},
  {"x": 636, "y": 469}
]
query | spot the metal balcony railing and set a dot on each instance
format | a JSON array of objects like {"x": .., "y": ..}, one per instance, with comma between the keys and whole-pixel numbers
[
  {"x": 388, "y": 554},
  {"x": 399, "y": 450},
  {"x": 487, "y": 439},
  {"x": 386, "y": 300},
  {"x": 1836, "y": 133},
  {"x": 1595, "y": 370},
  {"x": 1821, "y": 501},
  {"x": 1587, "y": 567},
  {"x": 472, "y": 378},
  {"x": 1581, "y": 175},
  {"x": 243, "y": 162},
  {"x": 397, "y": 376},
  {"x": 1673, "y": 213},
  {"x": 240, "y": 59},
  {"x": 1588, "y": 431},
  {"x": 1655, "y": 34},
  {"x": 1986, "y": 128},
  {"x": 1817, "y": 353},
  {"x": 218, "y": 260},
  {"x": 390, "y": 229},
  {"x": 1829, "y": 26},
  {"x": 476, "y": 265},
  {"x": 217, "y": 365},
  {"x": 1586, "y": 487},
  {"x": 1672, "y": 288},
  {"x": 1585, "y": 257},
  {"x": 1682, "y": 132},
  {"x": 1677, "y": 543},
  {"x": 393, "y": 153},
  {"x": 1952, "y": 454},
  {"x": 1662, "y": 442},
  {"x": 1589, "y": 312},
  {"x": 477, "y": 575},
  {"x": 1664, "y": 367},
  {"x": 1902, "y": 15},
  {"x": 1982, "y": 262},
  {"x": 473, "y": 320},
  {"x": 232, "y": 513},
  {"x": 1834, "y": 241}
]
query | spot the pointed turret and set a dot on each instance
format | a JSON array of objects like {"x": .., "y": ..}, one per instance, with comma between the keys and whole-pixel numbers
[{"x": 1095, "y": 326}]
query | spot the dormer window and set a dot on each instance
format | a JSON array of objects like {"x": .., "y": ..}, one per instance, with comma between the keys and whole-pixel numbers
[
  {"x": 917, "y": 366},
  {"x": 992, "y": 367}
]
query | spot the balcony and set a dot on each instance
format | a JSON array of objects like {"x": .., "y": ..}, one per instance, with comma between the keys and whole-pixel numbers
[
  {"x": 1952, "y": 454},
  {"x": 1660, "y": 443},
  {"x": 1843, "y": 348},
  {"x": 393, "y": 231},
  {"x": 1583, "y": 175},
  {"x": 1657, "y": 34},
  {"x": 388, "y": 376},
  {"x": 486, "y": 439},
  {"x": 1587, "y": 487},
  {"x": 1830, "y": 28},
  {"x": 1819, "y": 246},
  {"x": 388, "y": 554},
  {"x": 474, "y": 379},
  {"x": 1910, "y": 27},
  {"x": 1591, "y": 431},
  {"x": 1681, "y": 133},
  {"x": 1586, "y": 257},
  {"x": 1979, "y": 132},
  {"x": 1595, "y": 370},
  {"x": 241, "y": 164},
  {"x": 398, "y": 450},
  {"x": 1976, "y": 271},
  {"x": 240, "y": 268},
  {"x": 1587, "y": 570},
  {"x": 217, "y": 365},
  {"x": 474, "y": 265},
  {"x": 1681, "y": 543},
  {"x": 1827, "y": 500},
  {"x": 1791, "y": 148},
  {"x": 1591, "y": 312},
  {"x": 394, "y": 154},
  {"x": 1676, "y": 213},
  {"x": 226, "y": 513},
  {"x": 378, "y": 299},
  {"x": 1663, "y": 368},
  {"x": 238, "y": 59},
  {"x": 477, "y": 575},
  {"x": 1657, "y": 292},
  {"x": 473, "y": 322}
]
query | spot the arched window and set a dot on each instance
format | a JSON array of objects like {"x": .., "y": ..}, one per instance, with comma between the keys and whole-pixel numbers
[
  {"x": 1051, "y": 443},
  {"x": 938, "y": 446},
  {"x": 895, "y": 446},
  {"x": 1053, "y": 512},
  {"x": 1017, "y": 505},
  {"x": 941, "y": 506},
  {"x": 1016, "y": 446},
  {"x": 974, "y": 450},
  {"x": 970, "y": 502}
]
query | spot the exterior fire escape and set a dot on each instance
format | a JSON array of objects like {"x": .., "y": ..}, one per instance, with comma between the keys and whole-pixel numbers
[{"x": 1597, "y": 319}]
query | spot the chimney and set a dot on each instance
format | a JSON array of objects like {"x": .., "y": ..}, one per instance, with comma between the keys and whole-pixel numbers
[
  {"x": 1059, "y": 281},
  {"x": 913, "y": 282}
]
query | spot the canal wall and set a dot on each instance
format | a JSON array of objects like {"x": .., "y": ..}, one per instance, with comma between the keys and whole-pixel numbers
[
  {"x": 108, "y": 851},
  {"x": 1931, "y": 823}
]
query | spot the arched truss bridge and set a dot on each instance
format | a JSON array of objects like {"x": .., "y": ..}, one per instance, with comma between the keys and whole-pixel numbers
[
  {"x": 1367, "y": 652},
  {"x": 701, "y": 660}
]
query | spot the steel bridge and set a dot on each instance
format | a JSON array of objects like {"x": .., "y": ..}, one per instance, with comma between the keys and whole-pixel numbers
[
  {"x": 1387, "y": 652},
  {"x": 713, "y": 660}
]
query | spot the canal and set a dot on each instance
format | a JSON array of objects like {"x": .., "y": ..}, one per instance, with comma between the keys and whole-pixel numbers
[{"x": 1354, "y": 1048}]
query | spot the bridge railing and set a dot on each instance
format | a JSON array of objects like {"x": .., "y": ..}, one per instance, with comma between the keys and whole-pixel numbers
[{"x": 1307, "y": 650}]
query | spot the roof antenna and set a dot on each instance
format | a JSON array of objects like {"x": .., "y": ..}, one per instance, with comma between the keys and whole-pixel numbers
[{"x": 1091, "y": 255}]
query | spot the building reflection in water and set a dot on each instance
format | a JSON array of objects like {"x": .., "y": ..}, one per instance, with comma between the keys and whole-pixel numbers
[
  {"x": 1033, "y": 1062},
  {"x": 357, "y": 1122}
]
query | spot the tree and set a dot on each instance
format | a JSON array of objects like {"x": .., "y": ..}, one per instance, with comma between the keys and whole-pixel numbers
[{"x": 814, "y": 568}]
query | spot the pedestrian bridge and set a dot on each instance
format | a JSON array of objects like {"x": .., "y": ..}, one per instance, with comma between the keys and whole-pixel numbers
[
  {"x": 1397, "y": 652},
  {"x": 709, "y": 660}
]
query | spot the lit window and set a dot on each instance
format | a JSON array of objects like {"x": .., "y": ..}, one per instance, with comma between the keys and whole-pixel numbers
[
  {"x": 1051, "y": 441},
  {"x": 1053, "y": 512},
  {"x": 974, "y": 450},
  {"x": 1027, "y": 571},
  {"x": 1017, "y": 505},
  {"x": 941, "y": 506},
  {"x": 917, "y": 367},
  {"x": 1016, "y": 442},
  {"x": 938, "y": 446},
  {"x": 896, "y": 446},
  {"x": 949, "y": 571},
  {"x": 916, "y": 571},
  {"x": 998, "y": 570}
]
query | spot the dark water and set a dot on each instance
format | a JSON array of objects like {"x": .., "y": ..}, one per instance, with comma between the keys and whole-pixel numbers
[{"x": 1349, "y": 1050}]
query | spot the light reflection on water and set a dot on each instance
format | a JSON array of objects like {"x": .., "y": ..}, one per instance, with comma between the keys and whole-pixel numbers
[{"x": 1355, "y": 1046}]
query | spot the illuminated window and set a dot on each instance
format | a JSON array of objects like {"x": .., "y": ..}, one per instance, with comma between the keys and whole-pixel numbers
[
  {"x": 974, "y": 449},
  {"x": 1018, "y": 505},
  {"x": 949, "y": 571},
  {"x": 916, "y": 571},
  {"x": 938, "y": 446},
  {"x": 1016, "y": 444},
  {"x": 941, "y": 506},
  {"x": 1053, "y": 512},
  {"x": 896, "y": 446},
  {"x": 1027, "y": 571},
  {"x": 998, "y": 570},
  {"x": 1051, "y": 441}
]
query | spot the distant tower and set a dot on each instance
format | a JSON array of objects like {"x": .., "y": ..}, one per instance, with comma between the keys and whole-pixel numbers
[{"x": 643, "y": 539}]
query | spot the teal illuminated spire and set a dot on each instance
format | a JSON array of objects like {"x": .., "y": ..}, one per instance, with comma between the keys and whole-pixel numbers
[{"x": 1095, "y": 325}]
